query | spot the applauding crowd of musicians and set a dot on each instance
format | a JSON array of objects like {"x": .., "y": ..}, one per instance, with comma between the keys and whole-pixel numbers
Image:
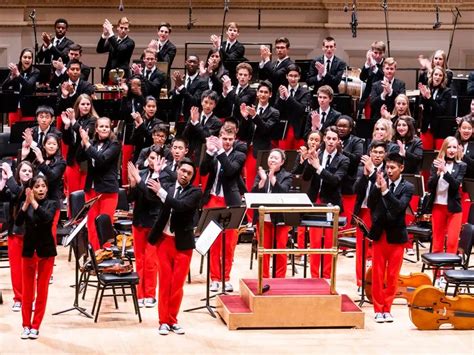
[{"x": 212, "y": 161}]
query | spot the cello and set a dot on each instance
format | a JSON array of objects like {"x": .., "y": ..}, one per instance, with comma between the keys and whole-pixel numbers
[
  {"x": 406, "y": 284},
  {"x": 430, "y": 308}
]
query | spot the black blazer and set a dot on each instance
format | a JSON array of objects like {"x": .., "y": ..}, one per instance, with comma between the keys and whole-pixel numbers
[
  {"x": 197, "y": 134},
  {"x": 140, "y": 163},
  {"x": 235, "y": 53},
  {"x": 141, "y": 135},
  {"x": 38, "y": 229},
  {"x": 51, "y": 129},
  {"x": 434, "y": 109},
  {"x": 388, "y": 212},
  {"x": 294, "y": 110},
  {"x": 55, "y": 52},
  {"x": 128, "y": 104},
  {"x": 14, "y": 194},
  {"x": 261, "y": 129},
  {"x": 152, "y": 86},
  {"x": 54, "y": 172},
  {"x": 229, "y": 175},
  {"x": 454, "y": 179},
  {"x": 72, "y": 137},
  {"x": 369, "y": 77},
  {"x": 284, "y": 179},
  {"x": 361, "y": 184},
  {"x": 423, "y": 78},
  {"x": 103, "y": 173},
  {"x": 25, "y": 84},
  {"x": 468, "y": 158},
  {"x": 327, "y": 185},
  {"x": 276, "y": 75},
  {"x": 330, "y": 120},
  {"x": 413, "y": 156},
  {"x": 183, "y": 101},
  {"x": 332, "y": 78},
  {"x": 230, "y": 106},
  {"x": 119, "y": 54},
  {"x": 376, "y": 102},
  {"x": 57, "y": 80},
  {"x": 180, "y": 211},
  {"x": 167, "y": 54},
  {"x": 147, "y": 204},
  {"x": 83, "y": 87},
  {"x": 353, "y": 148}
]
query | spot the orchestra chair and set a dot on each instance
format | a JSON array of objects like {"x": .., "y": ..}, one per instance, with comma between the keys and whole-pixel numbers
[
  {"x": 458, "y": 278},
  {"x": 437, "y": 261},
  {"x": 123, "y": 224},
  {"x": 106, "y": 281}
]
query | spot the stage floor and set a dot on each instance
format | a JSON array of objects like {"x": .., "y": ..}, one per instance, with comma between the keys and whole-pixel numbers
[{"x": 118, "y": 331}]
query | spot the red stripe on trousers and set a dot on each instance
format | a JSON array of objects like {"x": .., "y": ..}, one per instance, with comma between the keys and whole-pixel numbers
[
  {"x": 216, "y": 248},
  {"x": 39, "y": 269},
  {"x": 173, "y": 268},
  {"x": 105, "y": 205},
  {"x": 145, "y": 259},
  {"x": 387, "y": 260}
]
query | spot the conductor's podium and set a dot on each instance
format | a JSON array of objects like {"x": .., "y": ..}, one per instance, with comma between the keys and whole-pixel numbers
[{"x": 290, "y": 303}]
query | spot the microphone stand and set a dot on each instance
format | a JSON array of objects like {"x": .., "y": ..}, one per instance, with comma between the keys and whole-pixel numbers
[
  {"x": 354, "y": 22},
  {"x": 32, "y": 16},
  {"x": 226, "y": 10},
  {"x": 385, "y": 10},
  {"x": 457, "y": 15}
]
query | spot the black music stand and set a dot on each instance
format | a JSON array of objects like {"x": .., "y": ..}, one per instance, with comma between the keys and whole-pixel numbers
[
  {"x": 365, "y": 234},
  {"x": 79, "y": 239},
  {"x": 17, "y": 129},
  {"x": 226, "y": 218},
  {"x": 428, "y": 157},
  {"x": 8, "y": 103},
  {"x": 30, "y": 103}
]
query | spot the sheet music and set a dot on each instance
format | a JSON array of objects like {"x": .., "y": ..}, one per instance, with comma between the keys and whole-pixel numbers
[
  {"x": 208, "y": 237},
  {"x": 254, "y": 200},
  {"x": 76, "y": 230}
]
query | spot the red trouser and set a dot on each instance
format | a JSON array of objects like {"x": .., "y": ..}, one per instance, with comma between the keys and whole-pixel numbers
[
  {"x": 127, "y": 154},
  {"x": 466, "y": 206},
  {"x": 290, "y": 142},
  {"x": 250, "y": 169},
  {"x": 199, "y": 180},
  {"x": 15, "y": 248},
  {"x": 173, "y": 267},
  {"x": 14, "y": 117},
  {"x": 316, "y": 241},
  {"x": 105, "y": 205},
  {"x": 55, "y": 225},
  {"x": 281, "y": 240},
  {"x": 145, "y": 258},
  {"x": 216, "y": 248},
  {"x": 387, "y": 260},
  {"x": 445, "y": 223},
  {"x": 74, "y": 179},
  {"x": 364, "y": 214},
  {"x": 430, "y": 142},
  {"x": 39, "y": 270}
]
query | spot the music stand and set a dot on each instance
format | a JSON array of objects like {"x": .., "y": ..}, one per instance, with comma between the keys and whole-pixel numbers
[
  {"x": 108, "y": 108},
  {"x": 30, "y": 103},
  {"x": 428, "y": 157},
  {"x": 17, "y": 129},
  {"x": 8, "y": 103},
  {"x": 279, "y": 131},
  {"x": 79, "y": 239},
  {"x": 45, "y": 73},
  {"x": 364, "y": 128},
  {"x": 226, "y": 218},
  {"x": 365, "y": 234}
]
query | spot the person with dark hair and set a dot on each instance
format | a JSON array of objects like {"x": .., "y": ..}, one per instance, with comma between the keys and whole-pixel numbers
[
  {"x": 152, "y": 78},
  {"x": 411, "y": 147},
  {"x": 223, "y": 165},
  {"x": 388, "y": 200},
  {"x": 371, "y": 164},
  {"x": 326, "y": 69},
  {"x": 145, "y": 211},
  {"x": 466, "y": 142},
  {"x": 159, "y": 136},
  {"x": 188, "y": 89},
  {"x": 165, "y": 50},
  {"x": 60, "y": 75},
  {"x": 73, "y": 87},
  {"x": 102, "y": 155},
  {"x": 173, "y": 236},
  {"x": 275, "y": 180},
  {"x": 275, "y": 71},
  {"x": 325, "y": 169},
  {"x": 12, "y": 190},
  {"x": 470, "y": 84},
  {"x": 293, "y": 102},
  {"x": 22, "y": 78},
  {"x": 56, "y": 47},
  {"x": 179, "y": 151},
  {"x": 35, "y": 136},
  {"x": 213, "y": 70},
  {"x": 39, "y": 250},
  {"x": 119, "y": 47},
  {"x": 258, "y": 123}
]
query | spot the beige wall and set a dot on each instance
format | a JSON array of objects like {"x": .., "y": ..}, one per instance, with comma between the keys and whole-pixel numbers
[{"x": 410, "y": 35}]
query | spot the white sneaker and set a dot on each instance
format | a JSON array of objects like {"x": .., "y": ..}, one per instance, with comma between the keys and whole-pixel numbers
[
  {"x": 359, "y": 290},
  {"x": 441, "y": 283},
  {"x": 368, "y": 263},
  {"x": 349, "y": 254},
  {"x": 177, "y": 329},
  {"x": 228, "y": 287},
  {"x": 51, "y": 279},
  {"x": 34, "y": 334},
  {"x": 410, "y": 252},
  {"x": 150, "y": 302},
  {"x": 16, "y": 307},
  {"x": 379, "y": 317},
  {"x": 214, "y": 286},
  {"x": 141, "y": 303},
  {"x": 25, "y": 333},
  {"x": 388, "y": 318},
  {"x": 164, "y": 329}
]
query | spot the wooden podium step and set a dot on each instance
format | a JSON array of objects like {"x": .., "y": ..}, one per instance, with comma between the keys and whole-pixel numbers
[{"x": 290, "y": 303}]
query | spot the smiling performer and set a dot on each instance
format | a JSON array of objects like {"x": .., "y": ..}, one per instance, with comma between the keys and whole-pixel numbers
[
  {"x": 173, "y": 236},
  {"x": 39, "y": 250},
  {"x": 102, "y": 155}
]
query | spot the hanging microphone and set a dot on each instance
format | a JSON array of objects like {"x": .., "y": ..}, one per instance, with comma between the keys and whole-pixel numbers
[
  {"x": 384, "y": 4},
  {"x": 32, "y": 14},
  {"x": 354, "y": 22},
  {"x": 259, "y": 26},
  {"x": 121, "y": 7},
  {"x": 346, "y": 7},
  {"x": 437, "y": 23},
  {"x": 190, "y": 17}
]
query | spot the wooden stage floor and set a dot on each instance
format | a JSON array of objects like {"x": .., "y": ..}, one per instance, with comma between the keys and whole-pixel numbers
[{"x": 119, "y": 332}]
